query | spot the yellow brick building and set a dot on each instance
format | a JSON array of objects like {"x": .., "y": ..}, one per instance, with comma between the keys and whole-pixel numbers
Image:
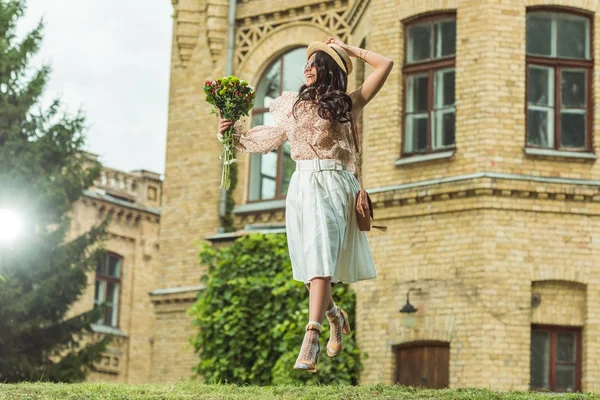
[
  {"x": 479, "y": 153},
  {"x": 127, "y": 275}
]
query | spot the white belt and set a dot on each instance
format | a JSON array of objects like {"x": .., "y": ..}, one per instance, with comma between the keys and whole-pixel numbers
[{"x": 318, "y": 165}]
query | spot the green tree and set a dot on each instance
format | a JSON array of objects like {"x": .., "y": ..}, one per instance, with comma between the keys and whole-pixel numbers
[
  {"x": 251, "y": 318},
  {"x": 43, "y": 171}
]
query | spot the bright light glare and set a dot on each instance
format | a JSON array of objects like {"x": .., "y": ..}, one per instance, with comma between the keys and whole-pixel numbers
[{"x": 10, "y": 225}]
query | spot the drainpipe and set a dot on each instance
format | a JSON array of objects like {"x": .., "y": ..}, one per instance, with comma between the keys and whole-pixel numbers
[{"x": 228, "y": 71}]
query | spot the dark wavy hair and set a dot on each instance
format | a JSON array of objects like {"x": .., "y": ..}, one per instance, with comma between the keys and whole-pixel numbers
[{"x": 328, "y": 92}]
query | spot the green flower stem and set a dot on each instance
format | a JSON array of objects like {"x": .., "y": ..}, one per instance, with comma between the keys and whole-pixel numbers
[{"x": 227, "y": 156}]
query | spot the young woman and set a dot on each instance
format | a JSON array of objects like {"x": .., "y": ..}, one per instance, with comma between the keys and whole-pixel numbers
[{"x": 324, "y": 241}]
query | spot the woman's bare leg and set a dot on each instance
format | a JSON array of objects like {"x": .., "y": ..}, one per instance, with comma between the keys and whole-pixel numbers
[
  {"x": 320, "y": 297},
  {"x": 330, "y": 304}
]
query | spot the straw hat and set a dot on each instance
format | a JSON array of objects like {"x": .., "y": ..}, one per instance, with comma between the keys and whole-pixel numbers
[{"x": 336, "y": 52}]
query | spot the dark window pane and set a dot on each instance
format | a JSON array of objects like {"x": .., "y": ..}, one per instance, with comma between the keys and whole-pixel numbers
[
  {"x": 114, "y": 266},
  {"x": 419, "y": 42},
  {"x": 293, "y": 74},
  {"x": 112, "y": 293},
  {"x": 573, "y": 88},
  {"x": 102, "y": 267},
  {"x": 418, "y": 93},
  {"x": 449, "y": 80},
  {"x": 444, "y": 88},
  {"x": 539, "y": 34},
  {"x": 416, "y": 133},
  {"x": 541, "y": 86},
  {"x": 289, "y": 166},
  {"x": 421, "y": 133},
  {"x": 540, "y": 360},
  {"x": 572, "y": 130},
  {"x": 565, "y": 377},
  {"x": 573, "y": 36},
  {"x": 107, "y": 320},
  {"x": 565, "y": 346},
  {"x": 97, "y": 292},
  {"x": 445, "y": 38},
  {"x": 539, "y": 132},
  {"x": 448, "y": 123}
]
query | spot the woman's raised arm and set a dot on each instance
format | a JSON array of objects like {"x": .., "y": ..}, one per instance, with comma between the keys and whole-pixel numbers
[{"x": 374, "y": 82}]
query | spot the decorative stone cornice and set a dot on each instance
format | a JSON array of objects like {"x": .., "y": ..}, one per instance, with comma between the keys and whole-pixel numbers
[
  {"x": 260, "y": 217},
  {"x": 255, "y": 23},
  {"x": 489, "y": 183},
  {"x": 356, "y": 12},
  {"x": 187, "y": 17},
  {"x": 123, "y": 214}
]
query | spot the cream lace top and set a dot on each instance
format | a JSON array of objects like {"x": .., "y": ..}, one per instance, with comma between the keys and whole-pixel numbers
[{"x": 310, "y": 136}]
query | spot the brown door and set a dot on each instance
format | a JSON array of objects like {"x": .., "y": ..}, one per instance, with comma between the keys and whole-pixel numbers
[{"x": 423, "y": 364}]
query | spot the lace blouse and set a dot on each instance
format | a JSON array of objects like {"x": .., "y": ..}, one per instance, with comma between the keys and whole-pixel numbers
[{"x": 310, "y": 136}]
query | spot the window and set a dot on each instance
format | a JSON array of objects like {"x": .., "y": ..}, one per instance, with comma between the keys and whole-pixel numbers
[
  {"x": 423, "y": 364},
  {"x": 151, "y": 193},
  {"x": 270, "y": 174},
  {"x": 108, "y": 284},
  {"x": 429, "y": 80},
  {"x": 559, "y": 76},
  {"x": 555, "y": 358}
]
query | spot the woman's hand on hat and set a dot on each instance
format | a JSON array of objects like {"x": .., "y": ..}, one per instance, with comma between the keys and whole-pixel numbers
[
  {"x": 338, "y": 42},
  {"x": 350, "y": 50}
]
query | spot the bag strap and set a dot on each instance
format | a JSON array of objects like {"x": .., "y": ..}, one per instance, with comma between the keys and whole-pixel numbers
[
  {"x": 358, "y": 162},
  {"x": 358, "y": 158}
]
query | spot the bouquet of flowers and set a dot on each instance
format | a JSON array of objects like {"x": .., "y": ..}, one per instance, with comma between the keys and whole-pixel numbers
[{"x": 231, "y": 98}]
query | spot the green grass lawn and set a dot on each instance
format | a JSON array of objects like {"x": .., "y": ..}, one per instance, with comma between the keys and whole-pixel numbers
[{"x": 185, "y": 390}]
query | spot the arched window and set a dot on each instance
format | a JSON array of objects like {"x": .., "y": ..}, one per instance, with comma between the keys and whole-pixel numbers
[
  {"x": 108, "y": 288},
  {"x": 270, "y": 173}
]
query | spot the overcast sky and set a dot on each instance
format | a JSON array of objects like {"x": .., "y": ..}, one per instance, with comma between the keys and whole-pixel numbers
[{"x": 110, "y": 58}]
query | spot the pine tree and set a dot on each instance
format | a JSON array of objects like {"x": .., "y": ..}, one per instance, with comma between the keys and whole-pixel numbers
[{"x": 43, "y": 171}]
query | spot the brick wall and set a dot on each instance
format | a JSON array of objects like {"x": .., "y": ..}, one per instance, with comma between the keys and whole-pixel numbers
[{"x": 133, "y": 235}]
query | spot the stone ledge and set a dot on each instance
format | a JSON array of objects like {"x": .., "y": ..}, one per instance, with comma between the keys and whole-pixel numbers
[
  {"x": 491, "y": 175},
  {"x": 248, "y": 229},
  {"x": 109, "y": 330},
  {"x": 259, "y": 206},
  {"x": 531, "y": 151},
  {"x": 175, "y": 295},
  {"x": 425, "y": 158}
]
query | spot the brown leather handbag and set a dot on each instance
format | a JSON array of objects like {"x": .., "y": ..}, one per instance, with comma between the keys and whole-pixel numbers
[{"x": 364, "y": 205}]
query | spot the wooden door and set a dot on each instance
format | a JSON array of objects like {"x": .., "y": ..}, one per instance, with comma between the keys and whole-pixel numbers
[{"x": 423, "y": 365}]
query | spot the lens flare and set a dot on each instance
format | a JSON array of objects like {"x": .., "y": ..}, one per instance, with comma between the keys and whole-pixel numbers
[{"x": 10, "y": 225}]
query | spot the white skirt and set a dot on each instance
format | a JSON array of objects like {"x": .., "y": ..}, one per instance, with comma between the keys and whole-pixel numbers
[{"x": 322, "y": 231}]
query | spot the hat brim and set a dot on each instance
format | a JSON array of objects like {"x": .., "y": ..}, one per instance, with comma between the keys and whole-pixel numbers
[{"x": 336, "y": 52}]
